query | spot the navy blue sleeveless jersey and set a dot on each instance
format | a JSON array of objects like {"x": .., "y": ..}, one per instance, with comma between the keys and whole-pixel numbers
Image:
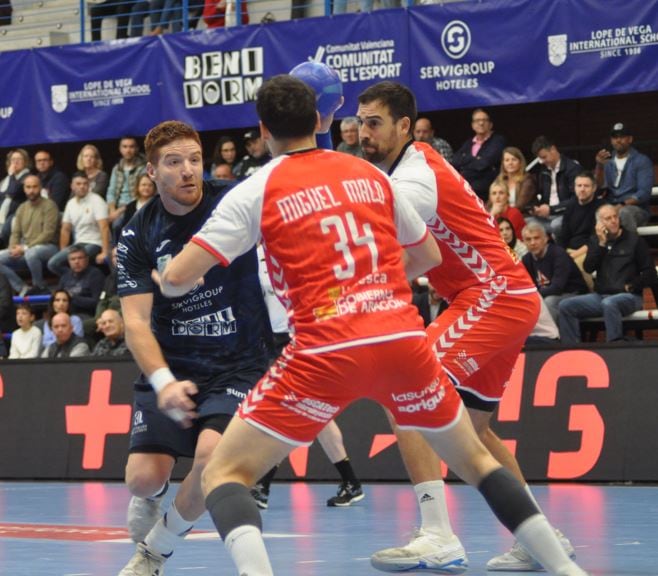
[{"x": 220, "y": 328}]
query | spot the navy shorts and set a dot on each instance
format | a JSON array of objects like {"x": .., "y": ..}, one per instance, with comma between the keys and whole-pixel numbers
[{"x": 154, "y": 432}]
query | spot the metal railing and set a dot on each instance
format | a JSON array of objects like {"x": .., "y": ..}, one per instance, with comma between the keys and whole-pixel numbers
[{"x": 39, "y": 23}]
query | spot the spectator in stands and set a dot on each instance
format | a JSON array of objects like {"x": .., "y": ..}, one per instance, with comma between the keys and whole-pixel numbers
[
  {"x": 108, "y": 300},
  {"x": 66, "y": 344},
  {"x": 429, "y": 304},
  {"x": 545, "y": 331},
  {"x": 144, "y": 191},
  {"x": 257, "y": 155},
  {"x": 225, "y": 151},
  {"x": 110, "y": 8},
  {"x": 349, "y": 137},
  {"x": 627, "y": 176},
  {"x": 623, "y": 267},
  {"x": 478, "y": 160},
  {"x": 11, "y": 190},
  {"x": 508, "y": 235},
  {"x": 424, "y": 132},
  {"x": 124, "y": 176},
  {"x": 90, "y": 162},
  {"x": 223, "y": 172},
  {"x": 85, "y": 219},
  {"x": 521, "y": 184},
  {"x": 54, "y": 183},
  {"x": 579, "y": 221},
  {"x": 26, "y": 340},
  {"x": 555, "y": 274},
  {"x": 60, "y": 301},
  {"x": 33, "y": 239},
  {"x": 499, "y": 206},
  {"x": 340, "y": 6},
  {"x": 113, "y": 343},
  {"x": 555, "y": 184},
  {"x": 214, "y": 13},
  {"x": 7, "y": 310},
  {"x": 83, "y": 282}
]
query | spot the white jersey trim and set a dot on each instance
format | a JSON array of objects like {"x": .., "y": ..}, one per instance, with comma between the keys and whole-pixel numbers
[
  {"x": 274, "y": 434},
  {"x": 480, "y": 395},
  {"x": 448, "y": 426},
  {"x": 528, "y": 290},
  {"x": 363, "y": 342}
]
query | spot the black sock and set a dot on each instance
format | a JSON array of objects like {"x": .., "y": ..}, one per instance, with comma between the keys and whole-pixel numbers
[
  {"x": 507, "y": 498},
  {"x": 346, "y": 472},
  {"x": 266, "y": 480},
  {"x": 231, "y": 505}
]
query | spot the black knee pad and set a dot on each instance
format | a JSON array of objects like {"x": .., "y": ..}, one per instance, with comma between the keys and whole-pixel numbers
[
  {"x": 231, "y": 505},
  {"x": 507, "y": 498}
]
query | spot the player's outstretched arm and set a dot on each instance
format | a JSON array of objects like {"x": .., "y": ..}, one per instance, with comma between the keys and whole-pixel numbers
[
  {"x": 422, "y": 257},
  {"x": 185, "y": 270},
  {"x": 173, "y": 395}
]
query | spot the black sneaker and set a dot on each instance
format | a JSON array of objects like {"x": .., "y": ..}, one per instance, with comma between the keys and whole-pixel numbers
[
  {"x": 347, "y": 495},
  {"x": 261, "y": 496}
]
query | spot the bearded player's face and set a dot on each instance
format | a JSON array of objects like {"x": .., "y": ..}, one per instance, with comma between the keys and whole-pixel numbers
[{"x": 380, "y": 136}]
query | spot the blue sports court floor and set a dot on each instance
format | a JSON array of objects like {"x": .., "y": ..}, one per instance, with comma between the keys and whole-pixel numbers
[{"x": 76, "y": 529}]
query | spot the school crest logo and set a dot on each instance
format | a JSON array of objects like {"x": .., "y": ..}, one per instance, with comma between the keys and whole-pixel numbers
[
  {"x": 557, "y": 49},
  {"x": 59, "y": 97}
]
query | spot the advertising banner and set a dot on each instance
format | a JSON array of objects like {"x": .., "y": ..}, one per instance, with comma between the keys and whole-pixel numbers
[
  {"x": 96, "y": 91},
  {"x": 16, "y": 99},
  {"x": 211, "y": 78},
  {"x": 568, "y": 415},
  {"x": 518, "y": 51}
]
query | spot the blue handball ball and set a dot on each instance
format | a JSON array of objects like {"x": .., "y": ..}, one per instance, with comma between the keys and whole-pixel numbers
[{"x": 325, "y": 82}]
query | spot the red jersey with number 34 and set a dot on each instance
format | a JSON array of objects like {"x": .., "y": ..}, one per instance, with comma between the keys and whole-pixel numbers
[{"x": 332, "y": 229}]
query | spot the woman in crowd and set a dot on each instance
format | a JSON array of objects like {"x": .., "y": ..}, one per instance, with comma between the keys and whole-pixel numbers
[
  {"x": 12, "y": 195},
  {"x": 226, "y": 151},
  {"x": 143, "y": 192},
  {"x": 521, "y": 185},
  {"x": 509, "y": 237},
  {"x": 90, "y": 162},
  {"x": 59, "y": 302},
  {"x": 499, "y": 206}
]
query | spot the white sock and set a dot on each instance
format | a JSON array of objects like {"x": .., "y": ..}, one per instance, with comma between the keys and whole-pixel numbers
[
  {"x": 246, "y": 547},
  {"x": 538, "y": 537},
  {"x": 167, "y": 532},
  {"x": 433, "y": 509}
]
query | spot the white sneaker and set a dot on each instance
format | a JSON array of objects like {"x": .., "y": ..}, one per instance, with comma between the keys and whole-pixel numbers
[
  {"x": 426, "y": 552},
  {"x": 143, "y": 513},
  {"x": 518, "y": 559},
  {"x": 144, "y": 563}
]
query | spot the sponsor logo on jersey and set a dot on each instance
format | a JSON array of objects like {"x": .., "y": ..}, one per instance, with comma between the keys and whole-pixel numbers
[{"x": 221, "y": 323}]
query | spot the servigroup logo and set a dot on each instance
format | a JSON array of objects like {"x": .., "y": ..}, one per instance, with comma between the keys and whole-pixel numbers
[{"x": 456, "y": 39}]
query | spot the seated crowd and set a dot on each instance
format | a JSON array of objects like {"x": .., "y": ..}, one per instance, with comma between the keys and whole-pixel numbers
[{"x": 573, "y": 229}]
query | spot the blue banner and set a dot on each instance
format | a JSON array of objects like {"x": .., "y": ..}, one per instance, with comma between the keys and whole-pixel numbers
[
  {"x": 517, "y": 51},
  {"x": 97, "y": 91},
  {"x": 212, "y": 77},
  {"x": 17, "y": 120},
  {"x": 456, "y": 55}
]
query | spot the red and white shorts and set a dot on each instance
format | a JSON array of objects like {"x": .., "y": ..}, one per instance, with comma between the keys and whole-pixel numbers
[
  {"x": 303, "y": 391},
  {"x": 479, "y": 337}
]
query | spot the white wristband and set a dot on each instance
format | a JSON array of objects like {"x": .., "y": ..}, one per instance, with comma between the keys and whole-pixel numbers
[{"x": 160, "y": 378}]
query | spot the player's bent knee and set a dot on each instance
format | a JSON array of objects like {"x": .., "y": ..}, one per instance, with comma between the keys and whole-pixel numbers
[{"x": 144, "y": 480}]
